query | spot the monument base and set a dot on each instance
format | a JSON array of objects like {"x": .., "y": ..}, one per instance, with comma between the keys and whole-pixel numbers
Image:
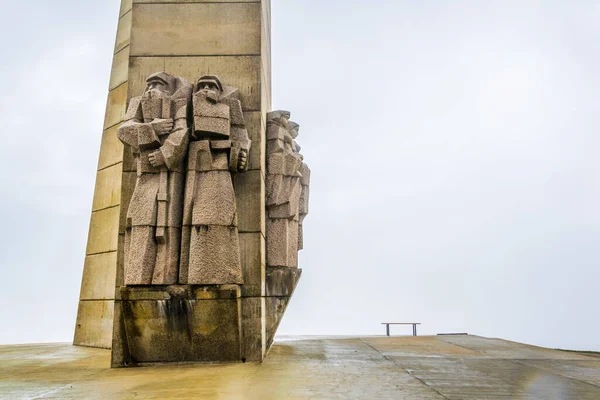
[
  {"x": 280, "y": 285},
  {"x": 190, "y": 323},
  {"x": 177, "y": 323}
]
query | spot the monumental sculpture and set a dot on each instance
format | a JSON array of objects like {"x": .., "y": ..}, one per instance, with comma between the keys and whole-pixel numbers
[
  {"x": 287, "y": 191},
  {"x": 219, "y": 147},
  {"x": 156, "y": 129},
  {"x": 304, "y": 195},
  {"x": 176, "y": 262},
  {"x": 183, "y": 296}
]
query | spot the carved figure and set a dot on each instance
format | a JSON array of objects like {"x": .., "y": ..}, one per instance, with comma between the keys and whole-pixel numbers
[
  {"x": 304, "y": 181},
  {"x": 219, "y": 146},
  {"x": 287, "y": 189},
  {"x": 157, "y": 130}
]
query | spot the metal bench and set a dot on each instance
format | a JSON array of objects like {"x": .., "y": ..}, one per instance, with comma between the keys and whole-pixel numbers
[{"x": 387, "y": 326}]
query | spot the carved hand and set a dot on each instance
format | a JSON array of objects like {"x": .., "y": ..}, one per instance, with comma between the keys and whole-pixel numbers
[
  {"x": 162, "y": 126},
  {"x": 156, "y": 158},
  {"x": 242, "y": 159}
]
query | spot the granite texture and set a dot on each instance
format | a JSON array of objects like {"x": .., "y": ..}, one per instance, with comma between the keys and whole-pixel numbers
[
  {"x": 156, "y": 130},
  {"x": 220, "y": 144},
  {"x": 286, "y": 191}
]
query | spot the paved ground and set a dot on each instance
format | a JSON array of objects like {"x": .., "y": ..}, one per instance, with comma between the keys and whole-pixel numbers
[{"x": 426, "y": 367}]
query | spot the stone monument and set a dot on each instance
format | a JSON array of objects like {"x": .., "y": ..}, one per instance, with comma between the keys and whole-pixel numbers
[
  {"x": 210, "y": 246},
  {"x": 156, "y": 129},
  {"x": 183, "y": 259},
  {"x": 284, "y": 190}
]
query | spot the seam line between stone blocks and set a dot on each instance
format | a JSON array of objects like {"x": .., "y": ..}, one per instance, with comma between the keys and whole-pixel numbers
[
  {"x": 116, "y": 87},
  {"x": 106, "y": 208},
  {"x": 125, "y": 13},
  {"x": 118, "y": 123},
  {"x": 120, "y": 50},
  {"x": 101, "y": 252},
  {"x": 111, "y": 165}
]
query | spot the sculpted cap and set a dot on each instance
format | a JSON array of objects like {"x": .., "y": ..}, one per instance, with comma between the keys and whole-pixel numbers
[
  {"x": 293, "y": 128},
  {"x": 211, "y": 79},
  {"x": 167, "y": 79},
  {"x": 278, "y": 114}
]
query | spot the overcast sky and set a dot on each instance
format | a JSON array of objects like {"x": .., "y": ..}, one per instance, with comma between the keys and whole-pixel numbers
[{"x": 453, "y": 148}]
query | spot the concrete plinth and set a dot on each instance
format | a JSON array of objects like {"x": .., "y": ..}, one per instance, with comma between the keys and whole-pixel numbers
[
  {"x": 178, "y": 323},
  {"x": 190, "y": 323},
  {"x": 280, "y": 286}
]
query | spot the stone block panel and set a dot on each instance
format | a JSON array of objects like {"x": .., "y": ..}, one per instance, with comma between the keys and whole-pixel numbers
[
  {"x": 104, "y": 231},
  {"x": 116, "y": 105},
  {"x": 196, "y": 29},
  {"x": 256, "y": 133},
  {"x": 177, "y": 330},
  {"x": 99, "y": 275},
  {"x": 108, "y": 187},
  {"x": 120, "y": 68},
  {"x": 274, "y": 310},
  {"x": 111, "y": 148},
  {"x": 265, "y": 50},
  {"x": 252, "y": 252},
  {"x": 265, "y": 96},
  {"x": 123, "y": 32},
  {"x": 242, "y": 72},
  {"x": 125, "y": 7},
  {"x": 94, "y": 323},
  {"x": 253, "y": 328},
  {"x": 250, "y": 199}
]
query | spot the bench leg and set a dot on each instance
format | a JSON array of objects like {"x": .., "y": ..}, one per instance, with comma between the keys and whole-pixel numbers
[
  {"x": 387, "y": 329},
  {"x": 414, "y": 330}
]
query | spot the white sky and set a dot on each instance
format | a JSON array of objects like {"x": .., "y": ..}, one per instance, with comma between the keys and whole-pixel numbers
[{"x": 453, "y": 147}]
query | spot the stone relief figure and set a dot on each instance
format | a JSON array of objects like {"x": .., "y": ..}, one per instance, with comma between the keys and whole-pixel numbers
[
  {"x": 157, "y": 130},
  {"x": 287, "y": 191},
  {"x": 304, "y": 181},
  {"x": 210, "y": 252}
]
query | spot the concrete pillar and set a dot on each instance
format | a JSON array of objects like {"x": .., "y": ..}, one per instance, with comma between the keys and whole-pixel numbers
[{"x": 189, "y": 39}]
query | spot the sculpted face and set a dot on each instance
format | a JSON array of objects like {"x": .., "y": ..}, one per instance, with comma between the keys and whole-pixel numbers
[
  {"x": 156, "y": 88},
  {"x": 293, "y": 129},
  {"x": 209, "y": 89}
]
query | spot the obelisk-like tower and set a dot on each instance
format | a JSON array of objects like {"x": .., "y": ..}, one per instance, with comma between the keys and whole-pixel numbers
[{"x": 189, "y": 39}]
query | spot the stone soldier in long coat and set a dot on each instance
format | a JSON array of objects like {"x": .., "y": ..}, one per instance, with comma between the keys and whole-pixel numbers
[
  {"x": 210, "y": 250},
  {"x": 284, "y": 188},
  {"x": 156, "y": 128},
  {"x": 293, "y": 128}
]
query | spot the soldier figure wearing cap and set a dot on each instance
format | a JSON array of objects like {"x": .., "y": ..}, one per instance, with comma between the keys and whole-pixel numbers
[
  {"x": 156, "y": 129},
  {"x": 284, "y": 189},
  {"x": 294, "y": 129},
  {"x": 210, "y": 252}
]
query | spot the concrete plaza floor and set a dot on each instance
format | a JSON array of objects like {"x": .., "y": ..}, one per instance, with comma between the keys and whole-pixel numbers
[{"x": 425, "y": 367}]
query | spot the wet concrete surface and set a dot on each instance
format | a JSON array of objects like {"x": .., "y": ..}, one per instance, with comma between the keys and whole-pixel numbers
[{"x": 425, "y": 367}]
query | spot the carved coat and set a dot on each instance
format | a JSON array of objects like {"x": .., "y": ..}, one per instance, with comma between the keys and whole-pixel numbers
[
  {"x": 210, "y": 244},
  {"x": 152, "y": 239},
  {"x": 284, "y": 190}
]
